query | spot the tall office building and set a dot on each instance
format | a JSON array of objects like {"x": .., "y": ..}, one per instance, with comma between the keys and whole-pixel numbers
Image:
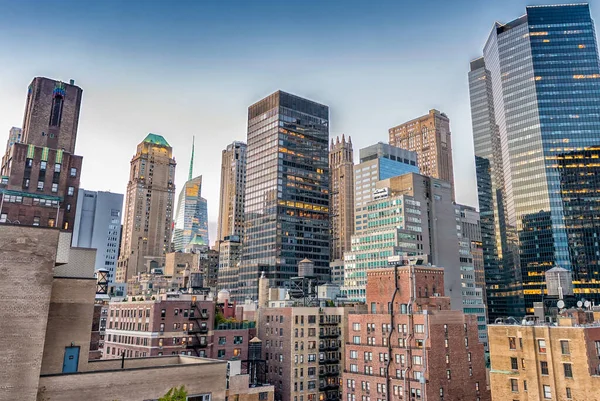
[
  {"x": 429, "y": 136},
  {"x": 149, "y": 208},
  {"x": 341, "y": 196},
  {"x": 39, "y": 174},
  {"x": 534, "y": 106},
  {"x": 15, "y": 135},
  {"x": 191, "y": 218},
  {"x": 378, "y": 162},
  {"x": 287, "y": 190},
  {"x": 98, "y": 226},
  {"x": 233, "y": 184}
]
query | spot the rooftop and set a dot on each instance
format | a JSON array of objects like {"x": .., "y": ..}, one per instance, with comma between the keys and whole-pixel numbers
[{"x": 156, "y": 140}]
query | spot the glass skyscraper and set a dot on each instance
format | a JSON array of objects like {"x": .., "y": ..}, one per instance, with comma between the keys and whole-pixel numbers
[
  {"x": 191, "y": 217},
  {"x": 287, "y": 191},
  {"x": 535, "y": 104}
]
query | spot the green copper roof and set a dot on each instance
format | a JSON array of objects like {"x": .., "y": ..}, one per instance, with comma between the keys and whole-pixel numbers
[{"x": 157, "y": 140}]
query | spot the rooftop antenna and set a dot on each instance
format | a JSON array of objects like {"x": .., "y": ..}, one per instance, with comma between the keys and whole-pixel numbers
[{"x": 191, "y": 161}]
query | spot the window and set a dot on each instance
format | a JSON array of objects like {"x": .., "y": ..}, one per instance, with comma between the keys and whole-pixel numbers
[
  {"x": 70, "y": 191},
  {"x": 57, "y": 168},
  {"x": 356, "y": 326},
  {"x": 542, "y": 346},
  {"x": 564, "y": 347},
  {"x": 524, "y": 385},
  {"x": 163, "y": 312},
  {"x": 42, "y": 165},
  {"x": 597, "y": 348},
  {"x": 221, "y": 353},
  {"x": 36, "y": 221},
  {"x": 54, "y": 187},
  {"x": 514, "y": 385},
  {"x": 356, "y": 339},
  {"x": 476, "y": 386},
  {"x": 544, "y": 367},
  {"x": 238, "y": 351},
  {"x": 238, "y": 339},
  {"x": 512, "y": 344},
  {"x": 222, "y": 340},
  {"x": 206, "y": 397},
  {"x": 353, "y": 354},
  {"x": 568, "y": 370},
  {"x": 448, "y": 375},
  {"x": 547, "y": 392},
  {"x": 40, "y": 185},
  {"x": 419, "y": 328},
  {"x": 353, "y": 367},
  {"x": 73, "y": 172},
  {"x": 417, "y": 360},
  {"x": 514, "y": 364},
  {"x": 569, "y": 395}
]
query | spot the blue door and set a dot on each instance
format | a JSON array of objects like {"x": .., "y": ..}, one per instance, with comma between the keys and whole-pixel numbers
[{"x": 71, "y": 359}]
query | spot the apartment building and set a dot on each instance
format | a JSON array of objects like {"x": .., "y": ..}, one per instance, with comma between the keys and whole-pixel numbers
[
  {"x": 304, "y": 349},
  {"x": 535, "y": 361},
  {"x": 410, "y": 345}
]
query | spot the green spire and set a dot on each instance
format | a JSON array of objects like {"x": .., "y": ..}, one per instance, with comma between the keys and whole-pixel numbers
[{"x": 191, "y": 161}]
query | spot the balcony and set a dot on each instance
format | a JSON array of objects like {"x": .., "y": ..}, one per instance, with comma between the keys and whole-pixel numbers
[
  {"x": 332, "y": 334},
  {"x": 333, "y": 348}
]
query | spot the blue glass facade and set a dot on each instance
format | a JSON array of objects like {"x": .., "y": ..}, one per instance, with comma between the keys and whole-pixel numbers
[
  {"x": 392, "y": 168},
  {"x": 545, "y": 91}
]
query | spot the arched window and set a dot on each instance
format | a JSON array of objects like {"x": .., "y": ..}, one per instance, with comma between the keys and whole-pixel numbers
[{"x": 56, "y": 113}]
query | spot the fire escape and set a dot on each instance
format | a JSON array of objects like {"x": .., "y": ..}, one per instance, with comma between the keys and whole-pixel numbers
[
  {"x": 329, "y": 360},
  {"x": 198, "y": 329}
]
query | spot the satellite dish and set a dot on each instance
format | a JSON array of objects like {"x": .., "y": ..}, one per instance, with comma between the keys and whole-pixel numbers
[
  {"x": 560, "y": 304},
  {"x": 579, "y": 304},
  {"x": 587, "y": 304}
]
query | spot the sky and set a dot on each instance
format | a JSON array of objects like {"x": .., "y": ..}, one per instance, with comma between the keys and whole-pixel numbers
[{"x": 192, "y": 68}]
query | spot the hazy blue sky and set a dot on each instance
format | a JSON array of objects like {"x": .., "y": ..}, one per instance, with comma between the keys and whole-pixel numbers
[{"x": 193, "y": 67}]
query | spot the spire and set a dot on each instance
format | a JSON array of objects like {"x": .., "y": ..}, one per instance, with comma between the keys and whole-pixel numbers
[
  {"x": 343, "y": 138},
  {"x": 331, "y": 147},
  {"x": 191, "y": 161}
]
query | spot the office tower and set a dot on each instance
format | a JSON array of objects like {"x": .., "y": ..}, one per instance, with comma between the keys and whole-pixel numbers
[
  {"x": 341, "y": 196},
  {"x": 304, "y": 349},
  {"x": 429, "y": 136},
  {"x": 541, "y": 361},
  {"x": 411, "y": 346},
  {"x": 287, "y": 190},
  {"x": 39, "y": 174},
  {"x": 473, "y": 290},
  {"x": 410, "y": 215},
  {"x": 98, "y": 225},
  {"x": 532, "y": 115},
  {"x": 233, "y": 184},
  {"x": 191, "y": 218},
  {"x": 148, "y": 209},
  {"x": 378, "y": 162},
  {"x": 230, "y": 252},
  {"x": 15, "y": 135}
]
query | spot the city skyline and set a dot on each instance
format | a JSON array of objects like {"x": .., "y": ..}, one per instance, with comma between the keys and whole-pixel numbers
[{"x": 213, "y": 78}]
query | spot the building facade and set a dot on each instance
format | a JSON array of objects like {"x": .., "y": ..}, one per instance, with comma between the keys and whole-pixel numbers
[
  {"x": 191, "y": 218},
  {"x": 98, "y": 225},
  {"x": 410, "y": 345},
  {"x": 232, "y": 191},
  {"x": 411, "y": 215},
  {"x": 39, "y": 174},
  {"x": 546, "y": 362},
  {"x": 287, "y": 190},
  {"x": 303, "y": 348},
  {"x": 430, "y": 137},
  {"x": 555, "y": 82},
  {"x": 378, "y": 162},
  {"x": 341, "y": 196},
  {"x": 230, "y": 252},
  {"x": 146, "y": 235}
]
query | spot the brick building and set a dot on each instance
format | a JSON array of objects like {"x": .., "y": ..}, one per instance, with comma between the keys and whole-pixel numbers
[
  {"x": 39, "y": 173},
  {"x": 410, "y": 345},
  {"x": 173, "y": 324},
  {"x": 547, "y": 362},
  {"x": 304, "y": 349}
]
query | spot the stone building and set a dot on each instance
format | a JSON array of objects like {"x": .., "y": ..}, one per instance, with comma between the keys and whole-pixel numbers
[{"x": 341, "y": 196}]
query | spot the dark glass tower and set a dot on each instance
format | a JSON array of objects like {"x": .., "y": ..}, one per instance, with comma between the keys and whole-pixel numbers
[
  {"x": 287, "y": 191},
  {"x": 534, "y": 101}
]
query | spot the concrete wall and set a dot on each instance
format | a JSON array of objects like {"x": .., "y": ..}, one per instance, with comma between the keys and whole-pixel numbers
[
  {"x": 69, "y": 322},
  {"x": 27, "y": 257},
  {"x": 135, "y": 385}
]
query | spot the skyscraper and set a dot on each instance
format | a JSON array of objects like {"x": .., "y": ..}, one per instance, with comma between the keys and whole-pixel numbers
[
  {"x": 191, "y": 218},
  {"x": 39, "y": 174},
  {"x": 148, "y": 209},
  {"x": 378, "y": 162},
  {"x": 98, "y": 225},
  {"x": 429, "y": 136},
  {"x": 287, "y": 190},
  {"x": 233, "y": 184},
  {"x": 534, "y": 106},
  {"x": 341, "y": 196}
]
